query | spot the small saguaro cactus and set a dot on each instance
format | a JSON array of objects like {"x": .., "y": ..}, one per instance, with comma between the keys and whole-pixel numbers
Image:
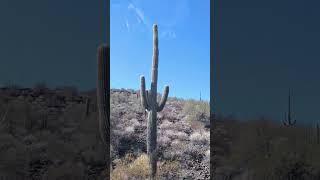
[
  {"x": 149, "y": 102},
  {"x": 288, "y": 121},
  {"x": 103, "y": 94}
]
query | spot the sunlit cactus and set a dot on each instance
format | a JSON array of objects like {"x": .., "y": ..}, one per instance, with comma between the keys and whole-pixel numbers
[{"x": 149, "y": 102}]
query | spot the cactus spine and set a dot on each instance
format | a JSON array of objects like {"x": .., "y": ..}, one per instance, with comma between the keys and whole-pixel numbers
[
  {"x": 149, "y": 102},
  {"x": 289, "y": 121},
  {"x": 103, "y": 94}
]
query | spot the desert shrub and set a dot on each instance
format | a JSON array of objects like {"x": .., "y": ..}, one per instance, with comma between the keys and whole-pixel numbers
[
  {"x": 200, "y": 137},
  {"x": 117, "y": 98},
  {"x": 196, "y": 110},
  {"x": 169, "y": 169},
  {"x": 137, "y": 169},
  {"x": 269, "y": 150},
  {"x": 165, "y": 125},
  {"x": 130, "y": 168},
  {"x": 163, "y": 141}
]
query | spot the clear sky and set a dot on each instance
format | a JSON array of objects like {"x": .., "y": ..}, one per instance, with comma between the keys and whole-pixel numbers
[
  {"x": 51, "y": 41},
  {"x": 263, "y": 48},
  {"x": 184, "y": 45}
]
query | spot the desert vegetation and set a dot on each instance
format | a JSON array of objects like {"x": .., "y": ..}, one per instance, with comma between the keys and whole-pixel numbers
[
  {"x": 265, "y": 149},
  {"x": 147, "y": 132},
  {"x": 49, "y": 134},
  {"x": 54, "y": 134},
  {"x": 183, "y": 138}
]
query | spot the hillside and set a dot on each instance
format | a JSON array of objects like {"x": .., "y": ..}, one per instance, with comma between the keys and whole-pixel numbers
[
  {"x": 53, "y": 134},
  {"x": 183, "y": 136},
  {"x": 265, "y": 149}
]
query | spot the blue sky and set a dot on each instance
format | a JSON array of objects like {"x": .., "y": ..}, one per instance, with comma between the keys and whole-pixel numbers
[
  {"x": 51, "y": 41},
  {"x": 261, "y": 50},
  {"x": 184, "y": 45}
]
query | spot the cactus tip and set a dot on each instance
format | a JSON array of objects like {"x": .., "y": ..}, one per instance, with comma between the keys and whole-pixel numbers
[{"x": 155, "y": 26}]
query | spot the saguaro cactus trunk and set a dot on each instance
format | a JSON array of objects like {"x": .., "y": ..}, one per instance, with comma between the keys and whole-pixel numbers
[
  {"x": 149, "y": 102},
  {"x": 103, "y": 94}
]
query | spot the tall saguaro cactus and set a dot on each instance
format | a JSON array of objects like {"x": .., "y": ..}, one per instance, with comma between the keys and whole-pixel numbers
[
  {"x": 149, "y": 102},
  {"x": 289, "y": 121},
  {"x": 103, "y": 94}
]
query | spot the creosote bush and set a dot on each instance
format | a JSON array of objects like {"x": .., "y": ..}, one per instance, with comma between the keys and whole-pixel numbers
[{"x": 196, "y": 110}]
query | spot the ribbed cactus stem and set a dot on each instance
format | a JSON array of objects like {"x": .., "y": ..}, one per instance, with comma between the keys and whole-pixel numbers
[
  {"x": 149, "y": 102},
  {"x": 143, "y": 93},
  {"x": 103, "y": 95},
  {"x": 163, "y": 99}
]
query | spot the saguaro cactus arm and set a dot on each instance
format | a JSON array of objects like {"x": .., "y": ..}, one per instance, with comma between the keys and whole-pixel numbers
[
  {"x": 143, "y": 93},
  {"x": 103, "y": 93},
  {"x": 163, "y": 99}
]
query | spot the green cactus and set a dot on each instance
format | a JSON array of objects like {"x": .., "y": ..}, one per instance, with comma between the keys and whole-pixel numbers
[
  {"x": 149, "y": 102},
  {"x": 103, "y": 94}
]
